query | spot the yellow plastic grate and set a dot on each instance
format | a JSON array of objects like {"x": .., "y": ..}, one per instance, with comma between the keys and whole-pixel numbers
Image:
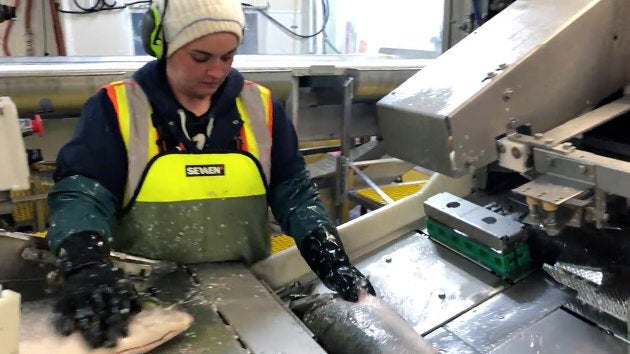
[
  {"x": 41, "y": 234},
  {"x": 394, "y": 191},
  {"x": 23, "y": 211},
  {"x": 280, "y": 243}
]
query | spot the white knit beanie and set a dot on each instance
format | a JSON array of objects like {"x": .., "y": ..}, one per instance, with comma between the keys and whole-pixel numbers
[{"x": 187, "y": 20}]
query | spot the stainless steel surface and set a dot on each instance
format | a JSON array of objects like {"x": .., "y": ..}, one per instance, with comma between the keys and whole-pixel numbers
[
  {"x": 611, "y": 300},
  {"x": 323, "y": 122},
  {"x": 68, "y": 81},
  {"x": 515, "y": 149},
  {"x": 460, "y": 308},
  {"x": 448, "y": 343},
  {"x": 494, "y": 230},
  {"x": 560, "y": 332},
  {"x": 521, "y": 67},
  {"x": 426, "y": 283},
  {"x": 566, "y": 171},
  {"x": 610, "y": 324},
  {"x": 346, "y": 134},
  {"x": 139, "y": 266},
  {"x": 491, "y": 323},
  {"x": 587, "y": 121},
  {"x": 233, "y": 311},
  {"x": 564, "y": 164},
  {"x": 326, "y": 166},
  {"x": 12, "y": 266},
  {"x": 552, "y": 189},
  {"x": 578, "y": 165}
]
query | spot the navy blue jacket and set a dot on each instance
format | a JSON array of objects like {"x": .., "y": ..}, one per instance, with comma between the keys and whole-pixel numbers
[{"x": 92, "y": 166}]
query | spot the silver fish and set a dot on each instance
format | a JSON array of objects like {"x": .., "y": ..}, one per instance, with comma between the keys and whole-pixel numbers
[{"x": 367, "y": 326}]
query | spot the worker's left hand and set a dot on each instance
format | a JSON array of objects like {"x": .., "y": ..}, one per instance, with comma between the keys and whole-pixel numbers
[
  {"x": 98, "y": 302},
  {"x": 96, "y": 299},
  {"x": 324, "y": 253}
]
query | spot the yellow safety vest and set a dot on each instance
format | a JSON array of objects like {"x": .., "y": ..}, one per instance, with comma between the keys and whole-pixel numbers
[{"x": 194, "y": 207}]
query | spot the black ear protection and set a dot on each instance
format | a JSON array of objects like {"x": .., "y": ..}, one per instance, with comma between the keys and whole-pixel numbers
[{"x": 152, "y": 32}]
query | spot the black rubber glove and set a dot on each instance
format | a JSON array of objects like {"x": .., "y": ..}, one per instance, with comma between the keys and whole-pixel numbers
[
  {"x": 96, "y": 300},
  {"x": 324, "y": 253}
]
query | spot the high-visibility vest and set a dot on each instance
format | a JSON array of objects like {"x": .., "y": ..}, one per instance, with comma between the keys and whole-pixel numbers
[
  {"x": 194, "y": 207},
  {"x": 134, "y": 120}
]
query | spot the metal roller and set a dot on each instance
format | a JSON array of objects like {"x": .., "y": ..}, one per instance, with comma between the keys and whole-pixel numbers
[{"x": 64, "y": 83}]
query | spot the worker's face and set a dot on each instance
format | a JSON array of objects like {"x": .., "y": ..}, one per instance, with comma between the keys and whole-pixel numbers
[{"x": 198, "y": 68}]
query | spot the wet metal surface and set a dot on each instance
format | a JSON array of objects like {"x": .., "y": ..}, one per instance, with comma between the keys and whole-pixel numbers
[
  {"x": 208, "y": 333},
  {"x": 460, "y": 307},
  {"x": 610, "y": 298},
  {"x": 511, "y": 311},
  {"x": 448, "y": 343},
  {"x": 560, "y": 332},
  {"x": 12, "y": 266},
  {"x": 426, "y": 283},
  {"x": 233, "y": 313}
]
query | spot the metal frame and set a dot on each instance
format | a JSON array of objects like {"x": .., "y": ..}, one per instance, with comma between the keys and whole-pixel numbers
[{"x": 518, "y": 68}]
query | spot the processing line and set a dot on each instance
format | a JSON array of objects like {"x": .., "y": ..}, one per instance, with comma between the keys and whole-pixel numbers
[{"x": 517, "y": 241}]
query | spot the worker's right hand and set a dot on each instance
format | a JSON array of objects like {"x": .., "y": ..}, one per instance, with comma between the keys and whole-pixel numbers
[{"x": 96, "y": 300}]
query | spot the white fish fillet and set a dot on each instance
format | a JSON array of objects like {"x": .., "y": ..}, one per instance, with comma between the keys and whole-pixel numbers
[{"x": 147, "y": 330}]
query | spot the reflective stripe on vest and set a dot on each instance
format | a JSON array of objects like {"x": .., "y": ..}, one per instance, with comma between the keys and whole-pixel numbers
[
  {"x": 135, "y": 123},
  {"x": 134, "y": 119},
  {"x": 256, "y": 110}
]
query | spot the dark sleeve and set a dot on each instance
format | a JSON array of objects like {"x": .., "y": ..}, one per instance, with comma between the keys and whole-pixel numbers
[
  {"x": 90, "y": 176},
  {"x": 293, "y": 197},
  {"x": 286, "y": 159},
  {"x": 96, "y": 150}
]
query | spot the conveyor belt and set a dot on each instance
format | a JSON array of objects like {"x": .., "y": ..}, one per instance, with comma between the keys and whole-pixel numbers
[{"x": 23, "y": 211}]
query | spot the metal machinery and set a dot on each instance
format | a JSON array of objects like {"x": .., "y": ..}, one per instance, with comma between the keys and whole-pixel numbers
[
  {"x": 520, "y": 123},
  {"x": 531, "y": 104}
]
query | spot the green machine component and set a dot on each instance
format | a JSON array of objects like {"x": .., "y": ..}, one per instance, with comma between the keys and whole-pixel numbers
[{"x": 506, "y": 264}]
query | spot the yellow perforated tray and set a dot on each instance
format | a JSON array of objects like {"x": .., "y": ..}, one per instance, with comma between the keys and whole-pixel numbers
[
  {"x": 280, "y": 243},
  {"x": 394, "y": 191}
]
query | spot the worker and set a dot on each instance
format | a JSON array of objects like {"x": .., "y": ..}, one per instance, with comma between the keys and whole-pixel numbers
[{"x": 181, "y": 162}]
